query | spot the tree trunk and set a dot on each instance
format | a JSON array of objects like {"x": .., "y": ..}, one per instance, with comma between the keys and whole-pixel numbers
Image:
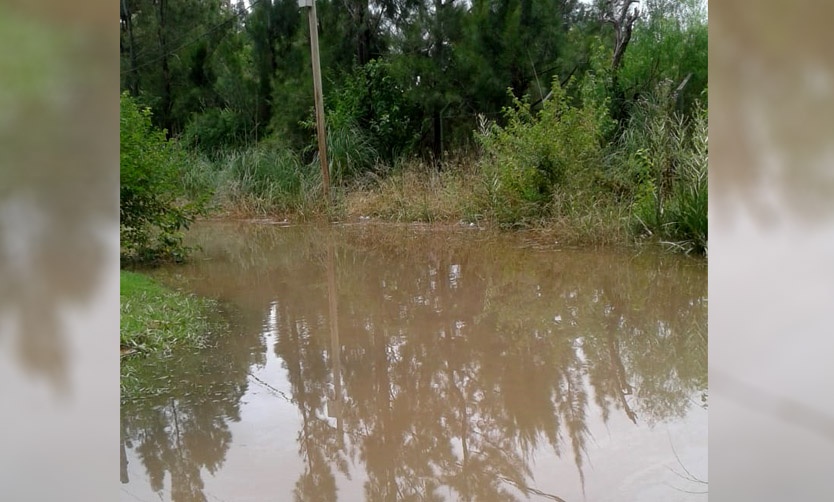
[
  {"x": 437, "y": 143},
  {"x": 167, "y": 100},
  {"x": 132, "y": 79},
  {"x": 620, "y": 15},
  {"x": 267, "y": 71},
  {"x": 363, "y": 36}
]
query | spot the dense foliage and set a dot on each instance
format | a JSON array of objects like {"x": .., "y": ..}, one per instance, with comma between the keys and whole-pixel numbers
[
  {"x": 589, "y": 100},
  {"x": 150, "y": 213},
  {"x": 535, "y": 156}
]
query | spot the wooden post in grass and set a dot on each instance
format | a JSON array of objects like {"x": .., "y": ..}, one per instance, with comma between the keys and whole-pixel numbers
[{"x": 320, "y": 129}]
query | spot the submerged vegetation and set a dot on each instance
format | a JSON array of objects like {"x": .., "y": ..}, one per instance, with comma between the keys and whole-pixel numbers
[
  {"x": 516, "y": 115},
  {"x": 158, "y": 321}
]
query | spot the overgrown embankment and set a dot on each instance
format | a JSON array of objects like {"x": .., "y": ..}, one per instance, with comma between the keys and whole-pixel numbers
[{"x": 553, "y": 168}]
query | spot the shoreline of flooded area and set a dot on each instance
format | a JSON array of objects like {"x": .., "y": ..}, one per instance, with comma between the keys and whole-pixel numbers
[{"x": 388, "y": 363}]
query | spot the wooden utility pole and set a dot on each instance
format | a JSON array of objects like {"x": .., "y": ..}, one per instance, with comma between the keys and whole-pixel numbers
[{"x": 320, "y": 129}]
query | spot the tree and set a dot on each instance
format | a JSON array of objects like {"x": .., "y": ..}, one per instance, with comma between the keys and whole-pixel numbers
[
  {"x": 239, "y": 73},
  {"x": 621, "y": 16},
  {"x": 127, "y": 45},
  {"x": 670, "y": 41}
]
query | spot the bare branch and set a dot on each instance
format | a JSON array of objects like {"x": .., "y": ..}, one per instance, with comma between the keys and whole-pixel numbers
[{"x": 620, "y": 14}]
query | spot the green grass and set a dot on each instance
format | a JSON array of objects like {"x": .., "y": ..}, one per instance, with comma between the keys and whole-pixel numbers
[
  {"x": 260, "y": 180},
  {"x": 155, "y": 319}
]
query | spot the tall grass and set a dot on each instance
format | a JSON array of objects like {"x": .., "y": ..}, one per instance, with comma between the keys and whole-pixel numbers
[
  {"x": 661, "y": 159},
  {"x": 688, "y": 209},
  {"x": 350, "y": 151},
  {"x": 417, "y": 191},
  {"x": 260, "y": 180}
]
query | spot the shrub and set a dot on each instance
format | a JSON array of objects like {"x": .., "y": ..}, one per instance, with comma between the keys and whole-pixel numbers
[
  {"x": 150, "y": 209},
  {"x": 535, "y": 155},
  {"x": 369, "y": 100}
]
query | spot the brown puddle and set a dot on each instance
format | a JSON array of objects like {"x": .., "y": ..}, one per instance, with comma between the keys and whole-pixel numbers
[{"x": 402, "y": 363}]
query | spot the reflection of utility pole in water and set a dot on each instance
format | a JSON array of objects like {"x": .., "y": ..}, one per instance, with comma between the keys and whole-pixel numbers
[
  {"x": 334, "y": 407},
  {"x": 123, "y": 462},
  {"x": 623, "y": 388}
]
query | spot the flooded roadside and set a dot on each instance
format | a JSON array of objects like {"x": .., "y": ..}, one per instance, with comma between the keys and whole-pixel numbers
[{"x": 389, "y": 363}]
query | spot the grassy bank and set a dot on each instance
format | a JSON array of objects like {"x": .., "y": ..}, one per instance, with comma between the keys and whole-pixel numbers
[
  {"x": 462, "y": 193},
  {"x": 562, "y": 170},
  {"x": 155, "y": 319}
]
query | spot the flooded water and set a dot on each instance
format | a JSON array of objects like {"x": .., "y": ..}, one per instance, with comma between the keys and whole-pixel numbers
[{"x": 401, "y": 363}]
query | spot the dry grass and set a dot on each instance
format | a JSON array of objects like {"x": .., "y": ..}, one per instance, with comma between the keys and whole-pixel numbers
[
  {"x": 415, "y": 191},
  {"x": 418, "y": 192},
  {"x": 585, "y": 219}
]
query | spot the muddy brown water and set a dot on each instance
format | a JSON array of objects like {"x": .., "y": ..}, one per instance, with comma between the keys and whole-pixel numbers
[{"x": 371, "y": 362}]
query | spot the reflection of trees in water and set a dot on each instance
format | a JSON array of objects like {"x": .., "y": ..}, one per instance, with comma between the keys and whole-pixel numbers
[
  {"x": 458, "y": 362},
  {"x": 458, "y": 359},
  {"x": 182, "y": 427},
  {"x": 308, "y": 374}
]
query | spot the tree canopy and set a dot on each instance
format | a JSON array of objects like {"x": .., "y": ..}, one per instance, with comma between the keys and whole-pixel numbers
[{"x": 223, "y": 74}]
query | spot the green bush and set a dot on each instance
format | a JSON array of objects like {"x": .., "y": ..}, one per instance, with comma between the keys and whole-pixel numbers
[
  {"x": 370, "y": 101},
  {"x": 217, "y": 130},
  {"x": 537, "y": 157},
  {"x": 151, "y": 212}
]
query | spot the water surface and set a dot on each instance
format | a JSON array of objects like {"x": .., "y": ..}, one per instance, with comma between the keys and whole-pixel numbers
[{"x": 391, "y": 363}]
